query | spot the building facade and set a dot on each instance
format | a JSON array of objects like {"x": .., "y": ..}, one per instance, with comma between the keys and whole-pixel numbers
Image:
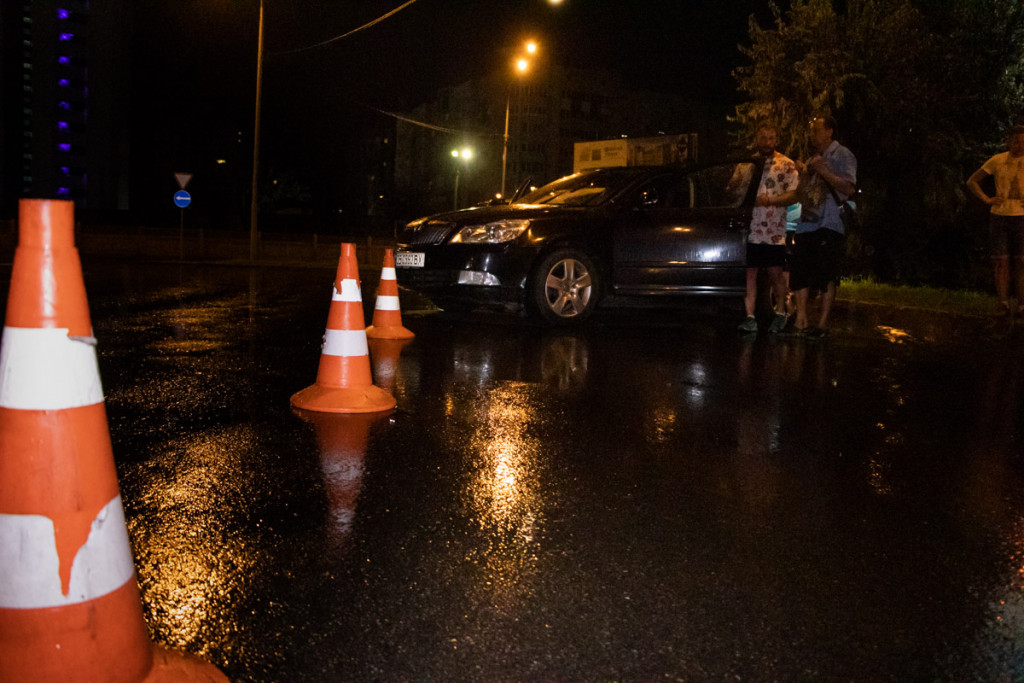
[{"x": 546, "y": 112}]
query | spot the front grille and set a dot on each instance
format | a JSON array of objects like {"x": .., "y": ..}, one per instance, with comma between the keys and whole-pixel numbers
[
  {"x": 432, "y": 232},
  {"x": 422, "y": 278}
]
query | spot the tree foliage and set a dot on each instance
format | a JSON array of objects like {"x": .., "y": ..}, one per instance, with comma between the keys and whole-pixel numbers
[{"x": 923, "y": 92}]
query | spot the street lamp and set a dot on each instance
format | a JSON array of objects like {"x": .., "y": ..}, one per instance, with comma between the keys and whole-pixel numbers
[
  {"x": 256, "y": 142},
  {"x": 460, "y": 155},
  {"x": 522, "y": 65}
]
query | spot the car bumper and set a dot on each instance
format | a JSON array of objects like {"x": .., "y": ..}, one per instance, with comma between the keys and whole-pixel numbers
[{"x": 471, "y": 274}]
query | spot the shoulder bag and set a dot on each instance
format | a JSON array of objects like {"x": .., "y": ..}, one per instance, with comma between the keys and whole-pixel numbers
[{"x": 847, "y": 212}]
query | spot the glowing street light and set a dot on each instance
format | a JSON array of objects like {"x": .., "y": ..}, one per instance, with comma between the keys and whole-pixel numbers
[{"x": 522, "y": 65}]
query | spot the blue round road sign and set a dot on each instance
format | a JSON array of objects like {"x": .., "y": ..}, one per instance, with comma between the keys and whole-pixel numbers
[{"x": 182, "y": 199}]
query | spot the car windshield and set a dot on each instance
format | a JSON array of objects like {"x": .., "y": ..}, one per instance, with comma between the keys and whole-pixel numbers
[{"x": 581, "y": 189}]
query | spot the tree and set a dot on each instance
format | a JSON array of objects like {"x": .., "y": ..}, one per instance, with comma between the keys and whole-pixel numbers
[{"x": 922, "y": 92}]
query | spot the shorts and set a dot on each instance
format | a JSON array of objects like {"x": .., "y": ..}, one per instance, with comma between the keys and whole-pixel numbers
[
  {"x": 817, "y": 257},
  {"x": 765, "y": 255},
  {"x": 1005, "y": 236}
]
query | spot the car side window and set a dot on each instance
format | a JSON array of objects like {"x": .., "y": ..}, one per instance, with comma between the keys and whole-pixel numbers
[
  {"x": 679, "y": 192},
  {"x": 721, "y": 186},
  {"x": 665, "y": 192}
]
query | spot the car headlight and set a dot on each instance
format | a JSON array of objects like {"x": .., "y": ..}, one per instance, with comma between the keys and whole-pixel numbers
[{"x": 491, "y": 233}]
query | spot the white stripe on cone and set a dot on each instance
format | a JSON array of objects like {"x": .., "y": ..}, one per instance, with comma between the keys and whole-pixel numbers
[
  {"x": 388, "y": 274},
  {"x": 30, "y": 568},
  {"x": 45, "y": 369},
  {"x": 345, "y": 343},
  {"x": 349, "y": 292},
  {"x": 386, "y": 303}
]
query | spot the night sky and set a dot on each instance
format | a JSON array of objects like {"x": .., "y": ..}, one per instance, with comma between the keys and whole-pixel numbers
[{"x": 194, "y": 68}]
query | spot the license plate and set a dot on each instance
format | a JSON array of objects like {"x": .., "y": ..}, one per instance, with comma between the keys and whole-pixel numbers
[{"x": 409, "y": 259}]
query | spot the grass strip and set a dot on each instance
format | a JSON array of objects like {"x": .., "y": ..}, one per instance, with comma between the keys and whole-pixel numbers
[{"x": 953, "y": 301}]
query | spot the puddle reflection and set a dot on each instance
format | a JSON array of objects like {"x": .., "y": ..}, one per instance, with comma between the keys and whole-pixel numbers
[
  {"x": 564, "y": 361},
  {"x": 501, "y": 497},
  {"x": 558, "y": 360},
  {"x": 888, "y": 435},
  {"x": 894, "y": 334},
  {"x": 342, "y": 439},
  {"x": 385, "y": 357},
  {"x": 193, "y": 567}
]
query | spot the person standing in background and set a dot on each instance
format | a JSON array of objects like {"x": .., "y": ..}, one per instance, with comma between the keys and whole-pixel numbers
[
  {"x": 1006, "y": 217},
  {"x": 766, "y": 241},
  {"x": 826, "y": 179}
]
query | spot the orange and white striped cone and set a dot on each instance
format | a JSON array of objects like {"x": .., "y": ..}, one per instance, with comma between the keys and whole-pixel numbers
[
  {"x": 343, "y": 381},
  {"x": 387, "y": 314},
  {"x": 69, "y": 600}
]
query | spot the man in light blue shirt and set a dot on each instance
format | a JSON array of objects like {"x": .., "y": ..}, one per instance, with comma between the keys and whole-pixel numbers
[{"x": 826, "y": 179}]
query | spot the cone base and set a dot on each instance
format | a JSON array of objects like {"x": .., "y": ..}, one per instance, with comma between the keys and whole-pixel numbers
[
  {"x": 388, "y": 332},
  {"x": 101, "y": 639},
  {"x": 171, "y": 666},
  {"x": 365, "y": 399}
]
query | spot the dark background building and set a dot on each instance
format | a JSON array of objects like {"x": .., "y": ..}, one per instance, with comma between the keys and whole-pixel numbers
[
  {"x": 548, "y": 112},
  {"x": 104, "y": 101}
]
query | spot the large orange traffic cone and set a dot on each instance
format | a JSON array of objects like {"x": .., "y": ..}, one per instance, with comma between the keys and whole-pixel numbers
[
  {"x": 69, "y": 600},
  {"x": 343, "y": 381},
  {"x": 387, "y": 314}
]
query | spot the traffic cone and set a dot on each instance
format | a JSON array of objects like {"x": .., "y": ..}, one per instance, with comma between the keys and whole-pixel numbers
[
  {"x": 69, "y": 600},
  {"x": 343, "y": 381},
  {"x": 387, "y": 314},
  {"x": 384, "y": 354}
]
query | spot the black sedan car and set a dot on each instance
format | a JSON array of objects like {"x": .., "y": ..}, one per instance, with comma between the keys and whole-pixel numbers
[{"x": 557, "y": 251}]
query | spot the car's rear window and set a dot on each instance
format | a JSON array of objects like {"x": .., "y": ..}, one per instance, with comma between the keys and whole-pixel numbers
[{"x": 584, "y": 189}]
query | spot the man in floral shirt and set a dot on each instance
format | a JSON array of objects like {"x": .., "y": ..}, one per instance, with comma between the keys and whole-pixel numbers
[{"x": 766, "y": 243}]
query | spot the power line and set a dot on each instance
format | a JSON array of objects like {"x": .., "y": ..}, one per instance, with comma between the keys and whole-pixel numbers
[
  {"x": 399, "y": 117},
  {"x": 344, "y": 35},
  {"x": 423, "y": 124}
]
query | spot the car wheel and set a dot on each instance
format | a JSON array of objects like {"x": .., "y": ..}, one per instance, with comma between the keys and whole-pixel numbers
[{"x": 565, "y": 287}]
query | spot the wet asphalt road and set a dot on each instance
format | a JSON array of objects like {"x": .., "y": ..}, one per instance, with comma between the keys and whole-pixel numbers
[{"x": 650, "y": 498}]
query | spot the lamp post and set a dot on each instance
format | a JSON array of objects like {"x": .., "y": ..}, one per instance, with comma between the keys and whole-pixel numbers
[
  {"x": 460, "y": 156},
  {"x": 256, "y": 143},
  {"x": 522, "y": 65}
]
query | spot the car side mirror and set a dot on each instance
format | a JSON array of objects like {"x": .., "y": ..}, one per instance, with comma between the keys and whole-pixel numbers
[{"x": 648, "y": 199}]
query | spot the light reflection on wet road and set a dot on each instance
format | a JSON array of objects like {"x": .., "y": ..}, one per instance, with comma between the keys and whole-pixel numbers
[{"x": 649, "y": 498}]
